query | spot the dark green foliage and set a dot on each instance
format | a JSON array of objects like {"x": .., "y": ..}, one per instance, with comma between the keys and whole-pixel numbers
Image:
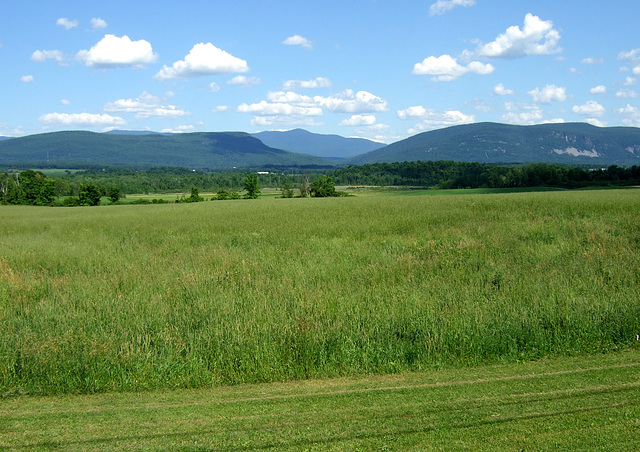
[
  {"x": 251, "y": 185},
  {"x": 194, "y": 197},
  {"x": 449, "y": 174},
  {"x": 323, "y": 187},
  {"x": 89, "y": 195},
  {"x": 28, "y": 187},
  {"x": 287, "y": 190},
  {"x": 114, "y": 194}
]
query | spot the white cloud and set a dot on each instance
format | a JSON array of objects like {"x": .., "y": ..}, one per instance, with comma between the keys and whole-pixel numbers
[
  {"x": 65, "y": 101},
  {"x": 630, "y": 55},
  {"x": 630, "y": 81},
  {"x": 264, "y": 108},
  {"x": 40, "y": 56},
  {"x": 596, "y": 122},
  {"x": 318, "y": 82},
  {"x": 626, "y": 94},
  {"x": 631, "y": 116},
  {"x": 350, "y": 102},
  {"x": 220, "y": 108},
  {"x": 537, "y": 37},
  {"x": 591, "y": 60},
  {"x": 297, "y": 40},
  {"x": 359, "y": 120},
  {"x": 112, "y": 51},
  {"x": 213, "y": 87},
  {"x": 146, "y": 106},
  {"x": 445, "y": 68},
  {"x": 98, "y": 24},
  {"x": 600, "y": 89},
  {"x": 591, "y": 108},
  {"x": 548, "y": 94},
  {"x": 500, "y": 90},
  {"x": 179, "y": 129},
  {"x": 442, "y": 6},
  {"x": 203, "y": 59},
  {"x": 291, "y": 108},
  {"x": 66, "y": 23},
  {"x": 244, "y": 80},
  {"x": 26, "y": 78},
  {"x": 81, "y": 119},
  {"x": 438, "y": 120},
  {"x": 412, "y": 112},
  {"x": 522, "y": 113}
]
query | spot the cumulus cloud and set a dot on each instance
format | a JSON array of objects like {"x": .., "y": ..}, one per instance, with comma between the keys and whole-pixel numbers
[
  {"x": 626, "y": 94},
  {"x": 537, "y": 37},
  {"x": 500, "y": 90},
  {"x": 548, "y": 94},
  {"x": 442, "y": 6},
  {"x": 66, "y": 23},
  {"x": 630, "y": 81},
  {"x": 203, "y": 59},
  {"x": 522, "y": 113},
  {"x": 318, "y": 82},
  {"x": 359, "y": 120},
  {"x": 600, "y": 89},
  {"x": 445, "y": 68},
  {"x": 297, "y": 40},
  {"x": 432, "y": 119},
  {"x": 145, "y": 106},
  {"x": 81, "y": 119},
  {"x": 291, "y": 108},
  {"x": 412, "y": 112},
  {"x": 26, "y": 78},
  {"x": 112, "y": 51},
  {"x": 220, "y": 108},
  {"x": 98, "y": 24},
  {"x": 40, "y": 56},
  {"x": 631, "y": 116},
  {"x": 591, "y": 108},
  {"x": 244, "y": 80}
]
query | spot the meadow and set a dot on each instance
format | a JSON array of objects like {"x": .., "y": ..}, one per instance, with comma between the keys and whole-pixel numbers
[{"x": 130, "y": 298}]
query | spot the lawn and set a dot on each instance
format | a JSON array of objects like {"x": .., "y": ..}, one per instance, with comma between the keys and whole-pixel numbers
[{"x": 581, "y": 403}]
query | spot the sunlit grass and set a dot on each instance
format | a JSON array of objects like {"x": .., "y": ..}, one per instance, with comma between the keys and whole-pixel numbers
[{"x": 191, "y": 295}]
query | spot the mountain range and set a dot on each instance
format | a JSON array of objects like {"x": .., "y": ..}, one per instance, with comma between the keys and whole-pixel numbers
[
  {"x": 332, "y": 147},
  {"x": 567, "y": 143}
]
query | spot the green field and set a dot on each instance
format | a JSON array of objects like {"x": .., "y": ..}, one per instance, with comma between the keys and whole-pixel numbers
[
  {"x": 587, "y": 403},
  {"x": 129, "y": 298}
]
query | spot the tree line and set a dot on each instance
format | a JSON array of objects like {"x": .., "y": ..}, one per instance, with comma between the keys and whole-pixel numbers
[
  {"x": 450, "y": 174},
  {"x": 86, "y": 188}
]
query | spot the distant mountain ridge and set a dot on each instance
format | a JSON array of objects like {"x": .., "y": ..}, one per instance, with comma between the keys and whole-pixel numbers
[
  {"x": 564, "y": 143},
  {"x": 333, "y": 147},
  {"x": 202, "y": 150}
]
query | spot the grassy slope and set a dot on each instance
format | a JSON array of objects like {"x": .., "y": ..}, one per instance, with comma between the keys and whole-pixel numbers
[
  {"x": 142, "y": 297},
  {"x": 582, "y": 403}
]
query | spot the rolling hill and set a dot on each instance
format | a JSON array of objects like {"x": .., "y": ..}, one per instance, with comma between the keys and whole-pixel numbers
[
  {"x": 567, "y": 143},
  {"x": 202, "y": 150},
  {"x": 333, "y": 147}
]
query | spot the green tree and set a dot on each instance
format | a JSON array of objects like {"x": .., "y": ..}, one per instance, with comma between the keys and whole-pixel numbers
[
  {"x": 251, "y": 186},
  {"x": 114, "y": 194},
  {"x": 89, "y": 195},
  {"x": 287, "y": 190},
  {"x": 323, "y": 187},
  {"x": 195, "y": 195}
]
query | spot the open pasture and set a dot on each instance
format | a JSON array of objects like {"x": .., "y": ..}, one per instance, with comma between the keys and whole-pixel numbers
[{"x": 121, "y": 298}]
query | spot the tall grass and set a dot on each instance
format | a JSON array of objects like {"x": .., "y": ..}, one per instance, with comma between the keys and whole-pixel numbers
[{"x": 191, "y": 295}]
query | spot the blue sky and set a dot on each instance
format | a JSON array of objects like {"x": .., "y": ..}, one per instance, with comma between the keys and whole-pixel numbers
[{"x": 378, "y": 69}]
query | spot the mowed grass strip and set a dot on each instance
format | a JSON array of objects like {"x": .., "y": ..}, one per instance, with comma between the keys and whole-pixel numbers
[
  {"x": 122, "y": 298},
  {"x": 580, "y": 403}
]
